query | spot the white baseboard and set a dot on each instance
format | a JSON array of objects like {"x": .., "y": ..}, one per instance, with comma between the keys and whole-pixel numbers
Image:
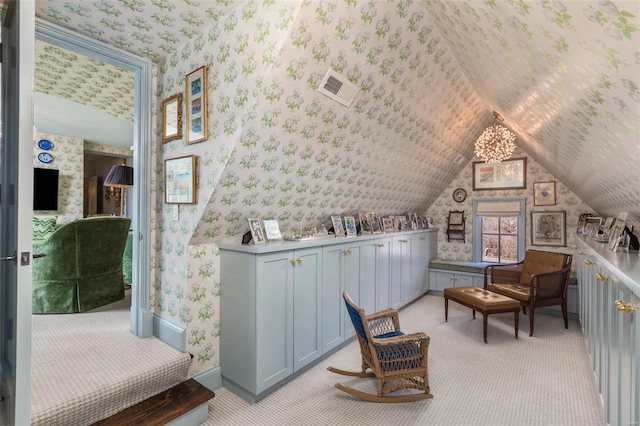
[{"x": 170, "y": 333}]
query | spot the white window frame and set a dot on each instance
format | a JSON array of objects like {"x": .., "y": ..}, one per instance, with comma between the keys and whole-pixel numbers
[{"x": 477, "y": 229}]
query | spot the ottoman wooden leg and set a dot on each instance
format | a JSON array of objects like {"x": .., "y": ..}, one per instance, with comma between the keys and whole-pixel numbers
[
  {"x": 516, "y": 318},
  {"x": 484, "y": 326},
  {"x": 446, "y": 308}
]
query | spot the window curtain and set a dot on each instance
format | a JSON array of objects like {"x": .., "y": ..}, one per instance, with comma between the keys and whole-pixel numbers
[{"x": 498, "y": 208}]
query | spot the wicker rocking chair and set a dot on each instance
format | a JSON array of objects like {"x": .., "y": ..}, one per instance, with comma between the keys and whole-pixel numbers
[{"x": 396, "y": 360}]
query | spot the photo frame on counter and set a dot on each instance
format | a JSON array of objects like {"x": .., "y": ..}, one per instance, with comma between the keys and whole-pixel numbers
[
  {"x": 549, "y": 228},
  {"x": 508, "y": 174},
  {"x": 256, "y": 231},
  {"x": 338, "y": 229},
  {"x": 544, "y": 193},
  {"x": 196, "y": 105},
  {"x": 180, "y": 180},
  {"x": 272, "y": 229},
  {"x": 350, "y": 226}
]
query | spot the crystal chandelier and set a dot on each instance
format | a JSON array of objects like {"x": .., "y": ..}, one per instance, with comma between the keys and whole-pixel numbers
[{"x": 495, "y": 144}]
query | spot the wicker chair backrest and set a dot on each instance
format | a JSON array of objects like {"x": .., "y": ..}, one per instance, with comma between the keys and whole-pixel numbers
[{"x": 356, "y": 318}]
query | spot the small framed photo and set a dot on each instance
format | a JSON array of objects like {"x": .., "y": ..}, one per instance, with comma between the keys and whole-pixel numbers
[
  {"x": 272, "y": 229},
  {"x": 590, "y": 224},
  {"x": 180, "y": 180},
  {"x": 365, "y": 223},
  {"x": 338, "y": 229},
  {"x": 350, "y": 226},
  {"x": 401, "y": 223},
  {"x": 430, "y": 223},
  {"x": 196, "y": 105},
  {"x": 544, "y": 194},
  {"x": 256, "y": 231},
  {"x": 617, "y": 232},
  {"x": 376, "y": 225},
  {"x": 549, "y": 228},
  {"x": 387, "y": 224}
]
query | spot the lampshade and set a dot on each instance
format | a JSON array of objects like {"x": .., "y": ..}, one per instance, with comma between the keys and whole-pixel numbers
[
  {"x": 495, "y": 144},
  {"x": 119, "y": 177}
]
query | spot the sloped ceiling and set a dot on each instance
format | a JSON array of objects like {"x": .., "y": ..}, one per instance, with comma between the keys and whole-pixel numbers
[{"x": 563, "y": 74}]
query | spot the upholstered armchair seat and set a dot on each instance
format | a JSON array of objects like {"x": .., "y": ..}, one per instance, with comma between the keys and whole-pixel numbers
[{"x": 82, "y": 266}]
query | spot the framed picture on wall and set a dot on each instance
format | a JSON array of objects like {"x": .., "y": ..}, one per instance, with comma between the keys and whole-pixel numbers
[
  {"x": 196, "y": 105},
  {"x": 180, "y": 180},
  {"x": 544, "y": 194},
  {"x": 549, "y": 228},
  {"x": 508, "y": 174}
]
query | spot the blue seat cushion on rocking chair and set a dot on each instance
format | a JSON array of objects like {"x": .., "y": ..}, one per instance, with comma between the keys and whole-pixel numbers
[{"x": 389, "y": 334}]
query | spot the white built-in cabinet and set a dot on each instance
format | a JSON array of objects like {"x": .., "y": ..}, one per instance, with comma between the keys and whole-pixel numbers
[
  {"x": 281, "y": 303},
  {"x": 612, "y": 335},
  {"x": 441, "y": 279}
]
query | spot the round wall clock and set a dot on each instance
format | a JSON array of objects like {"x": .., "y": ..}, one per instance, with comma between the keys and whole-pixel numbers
[{"x": 459, "y": 195}]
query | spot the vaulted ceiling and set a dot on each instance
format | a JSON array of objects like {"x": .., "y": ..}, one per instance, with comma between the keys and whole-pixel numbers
[{"x": 563, "y": 74}]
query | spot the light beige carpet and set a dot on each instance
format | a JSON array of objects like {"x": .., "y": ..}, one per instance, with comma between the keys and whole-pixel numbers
[
  {"x": 88, "y": 366},
  {"x": 541, "y": 380}
]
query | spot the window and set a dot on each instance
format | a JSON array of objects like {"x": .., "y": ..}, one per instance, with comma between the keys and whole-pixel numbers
[{"x": 499, "y": 234}]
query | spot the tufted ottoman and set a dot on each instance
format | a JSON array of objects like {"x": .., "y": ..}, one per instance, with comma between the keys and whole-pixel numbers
[{"x": 483, "y": 301}]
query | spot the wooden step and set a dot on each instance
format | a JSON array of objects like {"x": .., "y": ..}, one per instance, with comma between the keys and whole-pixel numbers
[{"x": 162, "y": 408}]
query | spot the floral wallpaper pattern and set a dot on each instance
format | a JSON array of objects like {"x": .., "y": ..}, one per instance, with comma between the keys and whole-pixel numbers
[
  {"x": 68, "y": 158},
  {"x": 563, "y": 74},
  {"x": 83, "y": 80},
  {"x": 566, "y": 201}
]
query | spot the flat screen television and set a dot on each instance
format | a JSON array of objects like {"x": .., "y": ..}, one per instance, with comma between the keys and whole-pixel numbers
[{"x": 45, "y": 189}]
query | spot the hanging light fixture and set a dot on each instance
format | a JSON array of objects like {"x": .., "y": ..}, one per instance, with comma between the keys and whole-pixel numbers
[{"x": 496, "y": 143}]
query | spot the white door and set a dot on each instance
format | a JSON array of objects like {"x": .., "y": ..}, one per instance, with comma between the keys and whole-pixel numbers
[{"x": 16, "y": 192}]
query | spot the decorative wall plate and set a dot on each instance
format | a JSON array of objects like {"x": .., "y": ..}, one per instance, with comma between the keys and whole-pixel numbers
[
  {"x": 45, "y": 157},
  {"x": 45, "y": 144},
  {"x": 459, "y": 195}
]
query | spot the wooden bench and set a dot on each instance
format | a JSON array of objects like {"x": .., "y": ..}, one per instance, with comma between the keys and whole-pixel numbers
[
  {"x": 483, "y": 301},
  {"x": 162, "y": 408}
]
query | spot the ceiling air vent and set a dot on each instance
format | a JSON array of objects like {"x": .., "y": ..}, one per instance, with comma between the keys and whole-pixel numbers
[
  {"x": 338, "y": 88},
  {"x": 459, "y": 160}
]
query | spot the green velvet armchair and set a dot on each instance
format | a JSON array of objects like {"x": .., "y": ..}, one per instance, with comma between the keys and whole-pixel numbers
[{"x": 82, "y": 266}]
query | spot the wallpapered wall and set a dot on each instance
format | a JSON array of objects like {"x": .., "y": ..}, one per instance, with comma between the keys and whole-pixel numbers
[
  {"x": 279, "y": 149},
  {"x": 68, "y": 157},
  {"x": 456, "y": 250}
]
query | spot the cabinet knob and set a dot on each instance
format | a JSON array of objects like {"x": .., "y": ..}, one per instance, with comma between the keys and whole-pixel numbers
[
  {"x": 625, "y": 308},
  {"x": 589, "y": 262},
  {"x": 581, "y": 253},
  {"x": 346, "y": 251},
  {"x": 292, "y": 261},
  {"x": 403, "y": 241},
  {"x": 299, "y": 259},
  {"x": 423, "y": 238},
  {"x": 601, "y": 277},
  {"x": 380, "y": 245}
]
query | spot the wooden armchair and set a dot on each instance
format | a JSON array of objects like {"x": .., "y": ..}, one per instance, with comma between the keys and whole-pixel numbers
[
  {"x": 396, "y": 360},
  {"x": 541, "y": 279}
]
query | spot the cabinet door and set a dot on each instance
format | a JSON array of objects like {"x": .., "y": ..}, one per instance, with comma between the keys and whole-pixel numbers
[
  {"x": 383, "y": 273},
  {"x": 351, "y": 273},
  {"x": 444, "y": 280},
  {"x": 419, "y": 264},
  {"x": 307, "y": 306},
  {"x": 628, "y": 404},
  {"x": 332, "y": 303},
  {"x": 462, "y": 280},
  {"x": 401, "y": 271},
  {"x": 274, "y": 319}
]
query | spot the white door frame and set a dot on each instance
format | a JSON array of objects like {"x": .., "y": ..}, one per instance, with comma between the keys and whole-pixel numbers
[
  {"x": 16, "y": 209},
  {"x": 141, "y": 316}
]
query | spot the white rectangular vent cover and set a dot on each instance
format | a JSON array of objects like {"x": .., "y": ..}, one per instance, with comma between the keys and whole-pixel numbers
[
  {"x": 459, "y": 160},
  {"x": 338, "y": 88}
]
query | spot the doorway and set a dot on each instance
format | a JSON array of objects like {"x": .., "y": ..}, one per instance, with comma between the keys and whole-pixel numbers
[{"x": 141, "y": 317}]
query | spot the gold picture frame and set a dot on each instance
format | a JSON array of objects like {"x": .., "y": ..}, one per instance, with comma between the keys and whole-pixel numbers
[
  {"x": 172, "y": 118},
  {"x": 180, "y": 180},
  {"x": 544, "y": 193},
  {"x": 196, "y": 105}
]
